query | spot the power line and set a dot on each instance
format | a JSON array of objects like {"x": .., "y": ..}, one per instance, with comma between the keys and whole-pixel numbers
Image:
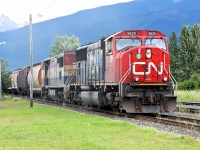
[{"x": 52, "y": 3}]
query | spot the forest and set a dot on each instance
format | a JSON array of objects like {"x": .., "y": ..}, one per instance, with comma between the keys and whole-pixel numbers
[{"x": 184, "y": 50}]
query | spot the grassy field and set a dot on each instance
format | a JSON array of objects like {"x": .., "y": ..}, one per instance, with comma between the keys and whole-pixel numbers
[
  {"x": 188, "y": 96},
  {"x": 44, "y": 127}
]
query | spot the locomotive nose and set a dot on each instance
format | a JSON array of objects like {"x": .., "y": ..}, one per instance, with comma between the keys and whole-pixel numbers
[{"x": 149, "y": 65}]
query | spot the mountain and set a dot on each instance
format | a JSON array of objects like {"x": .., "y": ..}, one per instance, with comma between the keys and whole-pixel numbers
[
  {"x": 6, "y": 24},
  {"x": 90, "y": 25}
]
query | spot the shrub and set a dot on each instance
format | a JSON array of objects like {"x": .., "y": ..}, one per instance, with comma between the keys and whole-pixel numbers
[{"x": 192, "y": 84}]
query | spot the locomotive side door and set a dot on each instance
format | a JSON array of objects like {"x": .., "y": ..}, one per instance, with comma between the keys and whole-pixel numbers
[{"x": 109, "y": 61}]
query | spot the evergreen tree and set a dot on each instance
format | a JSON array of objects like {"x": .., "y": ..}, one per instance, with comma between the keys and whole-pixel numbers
[
  {"x": 64, "y": 43},
  {"x": 187, "y": 53},
  {"x": 196, "y": 37},
  {"x": 175, "y": 54}
]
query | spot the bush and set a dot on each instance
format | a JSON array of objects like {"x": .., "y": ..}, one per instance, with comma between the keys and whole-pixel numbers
[{"x": 192, "y": 84}]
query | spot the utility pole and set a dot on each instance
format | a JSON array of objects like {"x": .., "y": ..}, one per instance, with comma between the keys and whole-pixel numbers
[
  {"x": 0, "y": 82},
  {"x": 31, "y": 63}
]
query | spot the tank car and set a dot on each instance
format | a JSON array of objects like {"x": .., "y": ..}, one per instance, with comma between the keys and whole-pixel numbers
[
  {"x": 13, "y": 76},
  {"x": 129, "y": 70},
  {"x": 37, "y": 79}
]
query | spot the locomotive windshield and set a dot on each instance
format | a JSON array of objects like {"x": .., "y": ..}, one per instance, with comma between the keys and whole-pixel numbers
[
  {"x": 161, "y": 43},
  {"x": 127, "y": 43}
]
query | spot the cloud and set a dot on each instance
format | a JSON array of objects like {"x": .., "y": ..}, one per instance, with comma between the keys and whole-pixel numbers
[
  {"x": 4, "y": 42},
  {"x": 19, "y": 10}
]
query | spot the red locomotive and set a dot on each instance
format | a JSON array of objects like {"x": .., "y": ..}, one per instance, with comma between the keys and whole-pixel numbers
[{"x": 129, "y": 71}]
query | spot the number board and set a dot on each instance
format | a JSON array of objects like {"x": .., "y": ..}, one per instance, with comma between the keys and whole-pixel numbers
[
  {"x": 152, "y": 33},
  {"x": 131, "y": 33}
]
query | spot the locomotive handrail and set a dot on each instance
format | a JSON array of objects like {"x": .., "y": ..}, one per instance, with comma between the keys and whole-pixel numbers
[
  {"x": 89, "y": 75},
  {"x": 125, "y": 76},
  {"x": 71, "y": 75},
  {"x": 173, "y": 80},
  {"x": 70, "y": 79}
]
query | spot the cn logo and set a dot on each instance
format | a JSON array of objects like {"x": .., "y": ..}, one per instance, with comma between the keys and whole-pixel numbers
[{"x": 150, "y": 66}]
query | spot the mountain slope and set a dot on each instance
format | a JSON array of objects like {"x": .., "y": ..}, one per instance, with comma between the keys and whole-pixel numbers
[
  {"x": 6, "y": 24},
  {"x": 90, "y": 25}
]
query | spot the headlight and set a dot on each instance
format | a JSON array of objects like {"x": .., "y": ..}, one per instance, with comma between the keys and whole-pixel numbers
[
  {"x": 136, "y": 79},
  {"x": 164, "y": 79},
  {"x": 148, "y": 53}
]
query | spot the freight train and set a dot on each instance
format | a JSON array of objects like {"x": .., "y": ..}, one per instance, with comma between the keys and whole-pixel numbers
[{"x": 127, "y": 71}]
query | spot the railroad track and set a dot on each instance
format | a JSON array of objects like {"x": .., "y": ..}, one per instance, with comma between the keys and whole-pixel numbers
[
  {"x": 167, "y": 119},
  {"x": 189, "y": 103},
  {"x": 184, "y": 122},
  {"x": 191, "y": 107}
]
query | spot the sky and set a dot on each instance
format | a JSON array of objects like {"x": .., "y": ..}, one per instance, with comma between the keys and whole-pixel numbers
[{"x": 19, "y": 10}]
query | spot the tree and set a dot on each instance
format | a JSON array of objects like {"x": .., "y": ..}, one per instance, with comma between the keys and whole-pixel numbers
[
  {"x": 174, "y": 51},
  {"x": 196, "y": 37},
  {"x": 64, "y": 43},
  {"x": 187, "y": 53},
  {"x": 4, "y": 74}
]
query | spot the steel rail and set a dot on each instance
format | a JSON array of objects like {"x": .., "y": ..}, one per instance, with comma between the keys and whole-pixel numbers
[
  {"x": 184, "y": 122},
  {"x": 192, "y": 107},
  {"x": 189, "y": 103}
]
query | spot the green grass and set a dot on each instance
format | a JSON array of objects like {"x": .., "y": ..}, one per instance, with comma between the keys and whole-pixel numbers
[
  {"x": 188, "y": 96},
  {"x": 44, "y": 127}
]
